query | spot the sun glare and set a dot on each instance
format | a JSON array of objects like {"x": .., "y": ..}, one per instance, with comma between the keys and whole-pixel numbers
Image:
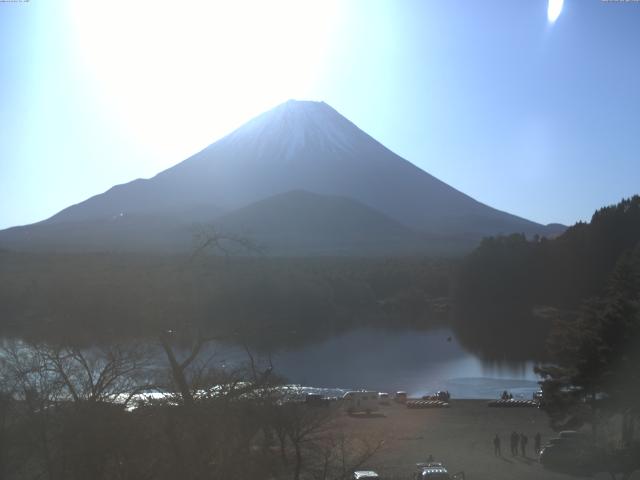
[
  {"x": 178, "y": 73},
  {"x": 554, "y": 10}
]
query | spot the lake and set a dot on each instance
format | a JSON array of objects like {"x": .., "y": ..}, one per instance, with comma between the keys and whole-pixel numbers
[{"x": 418, "y": 362}]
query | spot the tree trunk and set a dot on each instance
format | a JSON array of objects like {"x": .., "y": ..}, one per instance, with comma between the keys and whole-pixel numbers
[
  {"x": 298, "y": 467},
  {"x": 177, "y": 372},
  {"x": 174, "y": 442}
]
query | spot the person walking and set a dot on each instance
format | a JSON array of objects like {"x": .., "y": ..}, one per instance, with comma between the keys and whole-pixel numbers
[
  {"x": 496, "y": 446},
  {"x": 537, "y": 443},
  {"x": 523, "y": 444},
  {"x": 514, "y": 444}
]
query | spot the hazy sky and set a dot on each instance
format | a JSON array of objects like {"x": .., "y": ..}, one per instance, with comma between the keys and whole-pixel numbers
[{"x": 537, "y": 118}]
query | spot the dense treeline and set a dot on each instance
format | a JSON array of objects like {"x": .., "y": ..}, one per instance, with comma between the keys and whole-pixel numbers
[
  {"x": 596, "y": 351},
  {"x": 593, "y": 374},
  {"x": 510, "y": 289},
  {"x": 271, "y": 301}
]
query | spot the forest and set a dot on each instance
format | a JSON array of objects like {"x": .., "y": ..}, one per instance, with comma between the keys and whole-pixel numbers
[
  {"x": 502, "y": 299},
  {"x": 510, "y": 290},
  {"x": 265, "y": 301}
]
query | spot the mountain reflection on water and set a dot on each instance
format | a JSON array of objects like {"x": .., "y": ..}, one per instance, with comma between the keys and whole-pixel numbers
[{"x": 418, "y": 362}]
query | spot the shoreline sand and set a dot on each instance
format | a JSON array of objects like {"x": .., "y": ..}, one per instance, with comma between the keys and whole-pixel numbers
[{"x": 461, "y": 436}]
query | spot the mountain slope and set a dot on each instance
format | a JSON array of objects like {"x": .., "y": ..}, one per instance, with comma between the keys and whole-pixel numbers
[
  {"x": 291, "y": 223},
  {"x": 120, "y": 233},
  {"x": 300, "y": 222},
  {"x": 295, "y": 146}
]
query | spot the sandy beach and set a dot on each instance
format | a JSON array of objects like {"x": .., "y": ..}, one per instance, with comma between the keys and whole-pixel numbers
[{"x": 460, "y": 436}]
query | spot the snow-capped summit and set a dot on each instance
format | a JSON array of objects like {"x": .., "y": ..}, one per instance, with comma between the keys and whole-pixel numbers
[
  {"x": 296, "y": 124},
  {"x": 298, "y": 146}
]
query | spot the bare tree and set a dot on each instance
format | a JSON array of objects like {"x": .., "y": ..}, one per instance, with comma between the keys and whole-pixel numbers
[
  {"x": 71, "y": 405},
  {"x": 338, "y": 456}
]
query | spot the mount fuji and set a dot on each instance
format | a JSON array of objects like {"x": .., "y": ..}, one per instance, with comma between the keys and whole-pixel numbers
[{"x": 299, "y": 179}]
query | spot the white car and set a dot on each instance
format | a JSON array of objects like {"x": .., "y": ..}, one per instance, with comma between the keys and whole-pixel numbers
[
  {"x": 435, "y": 471},
  {"x": 365, "y": 475},
  {"x": 401, "y": 396},
  {"x": 361, "y": 401}
]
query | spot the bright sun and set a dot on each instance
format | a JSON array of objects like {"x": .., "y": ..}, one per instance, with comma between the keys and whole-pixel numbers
[
  {"x": 187, "y": 69},
  {"x": 554, "y": 10}
]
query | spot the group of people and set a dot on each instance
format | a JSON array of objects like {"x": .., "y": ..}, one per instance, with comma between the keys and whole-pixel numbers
[
  {"x": 444, "y": 395},
  {"x": 506, "y": 396},
  {"x": 519, "y": 443}
]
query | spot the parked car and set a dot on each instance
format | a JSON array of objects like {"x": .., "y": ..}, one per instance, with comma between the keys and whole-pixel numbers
[
  {"x": 365, "y": 475},
  {"x": 361, "y": 401},
  {"x": 401, "y": 396},
  {"x": 383, "y": 398},
  {"x": 571, "y": 451},
  {"x": 435, "y": 471},
  {"x": 316, "y": 400}
]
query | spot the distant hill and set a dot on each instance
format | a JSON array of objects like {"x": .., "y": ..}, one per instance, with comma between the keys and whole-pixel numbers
[
  {"x": 300, "y": 222},
  {"x": 297, "y": 146}
]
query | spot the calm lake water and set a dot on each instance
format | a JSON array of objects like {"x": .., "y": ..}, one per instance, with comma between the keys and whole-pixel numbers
[{"x": 418, "y": 362}]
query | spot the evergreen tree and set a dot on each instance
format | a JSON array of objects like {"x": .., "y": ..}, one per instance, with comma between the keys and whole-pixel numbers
[{"x": 595, "y": 370}]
